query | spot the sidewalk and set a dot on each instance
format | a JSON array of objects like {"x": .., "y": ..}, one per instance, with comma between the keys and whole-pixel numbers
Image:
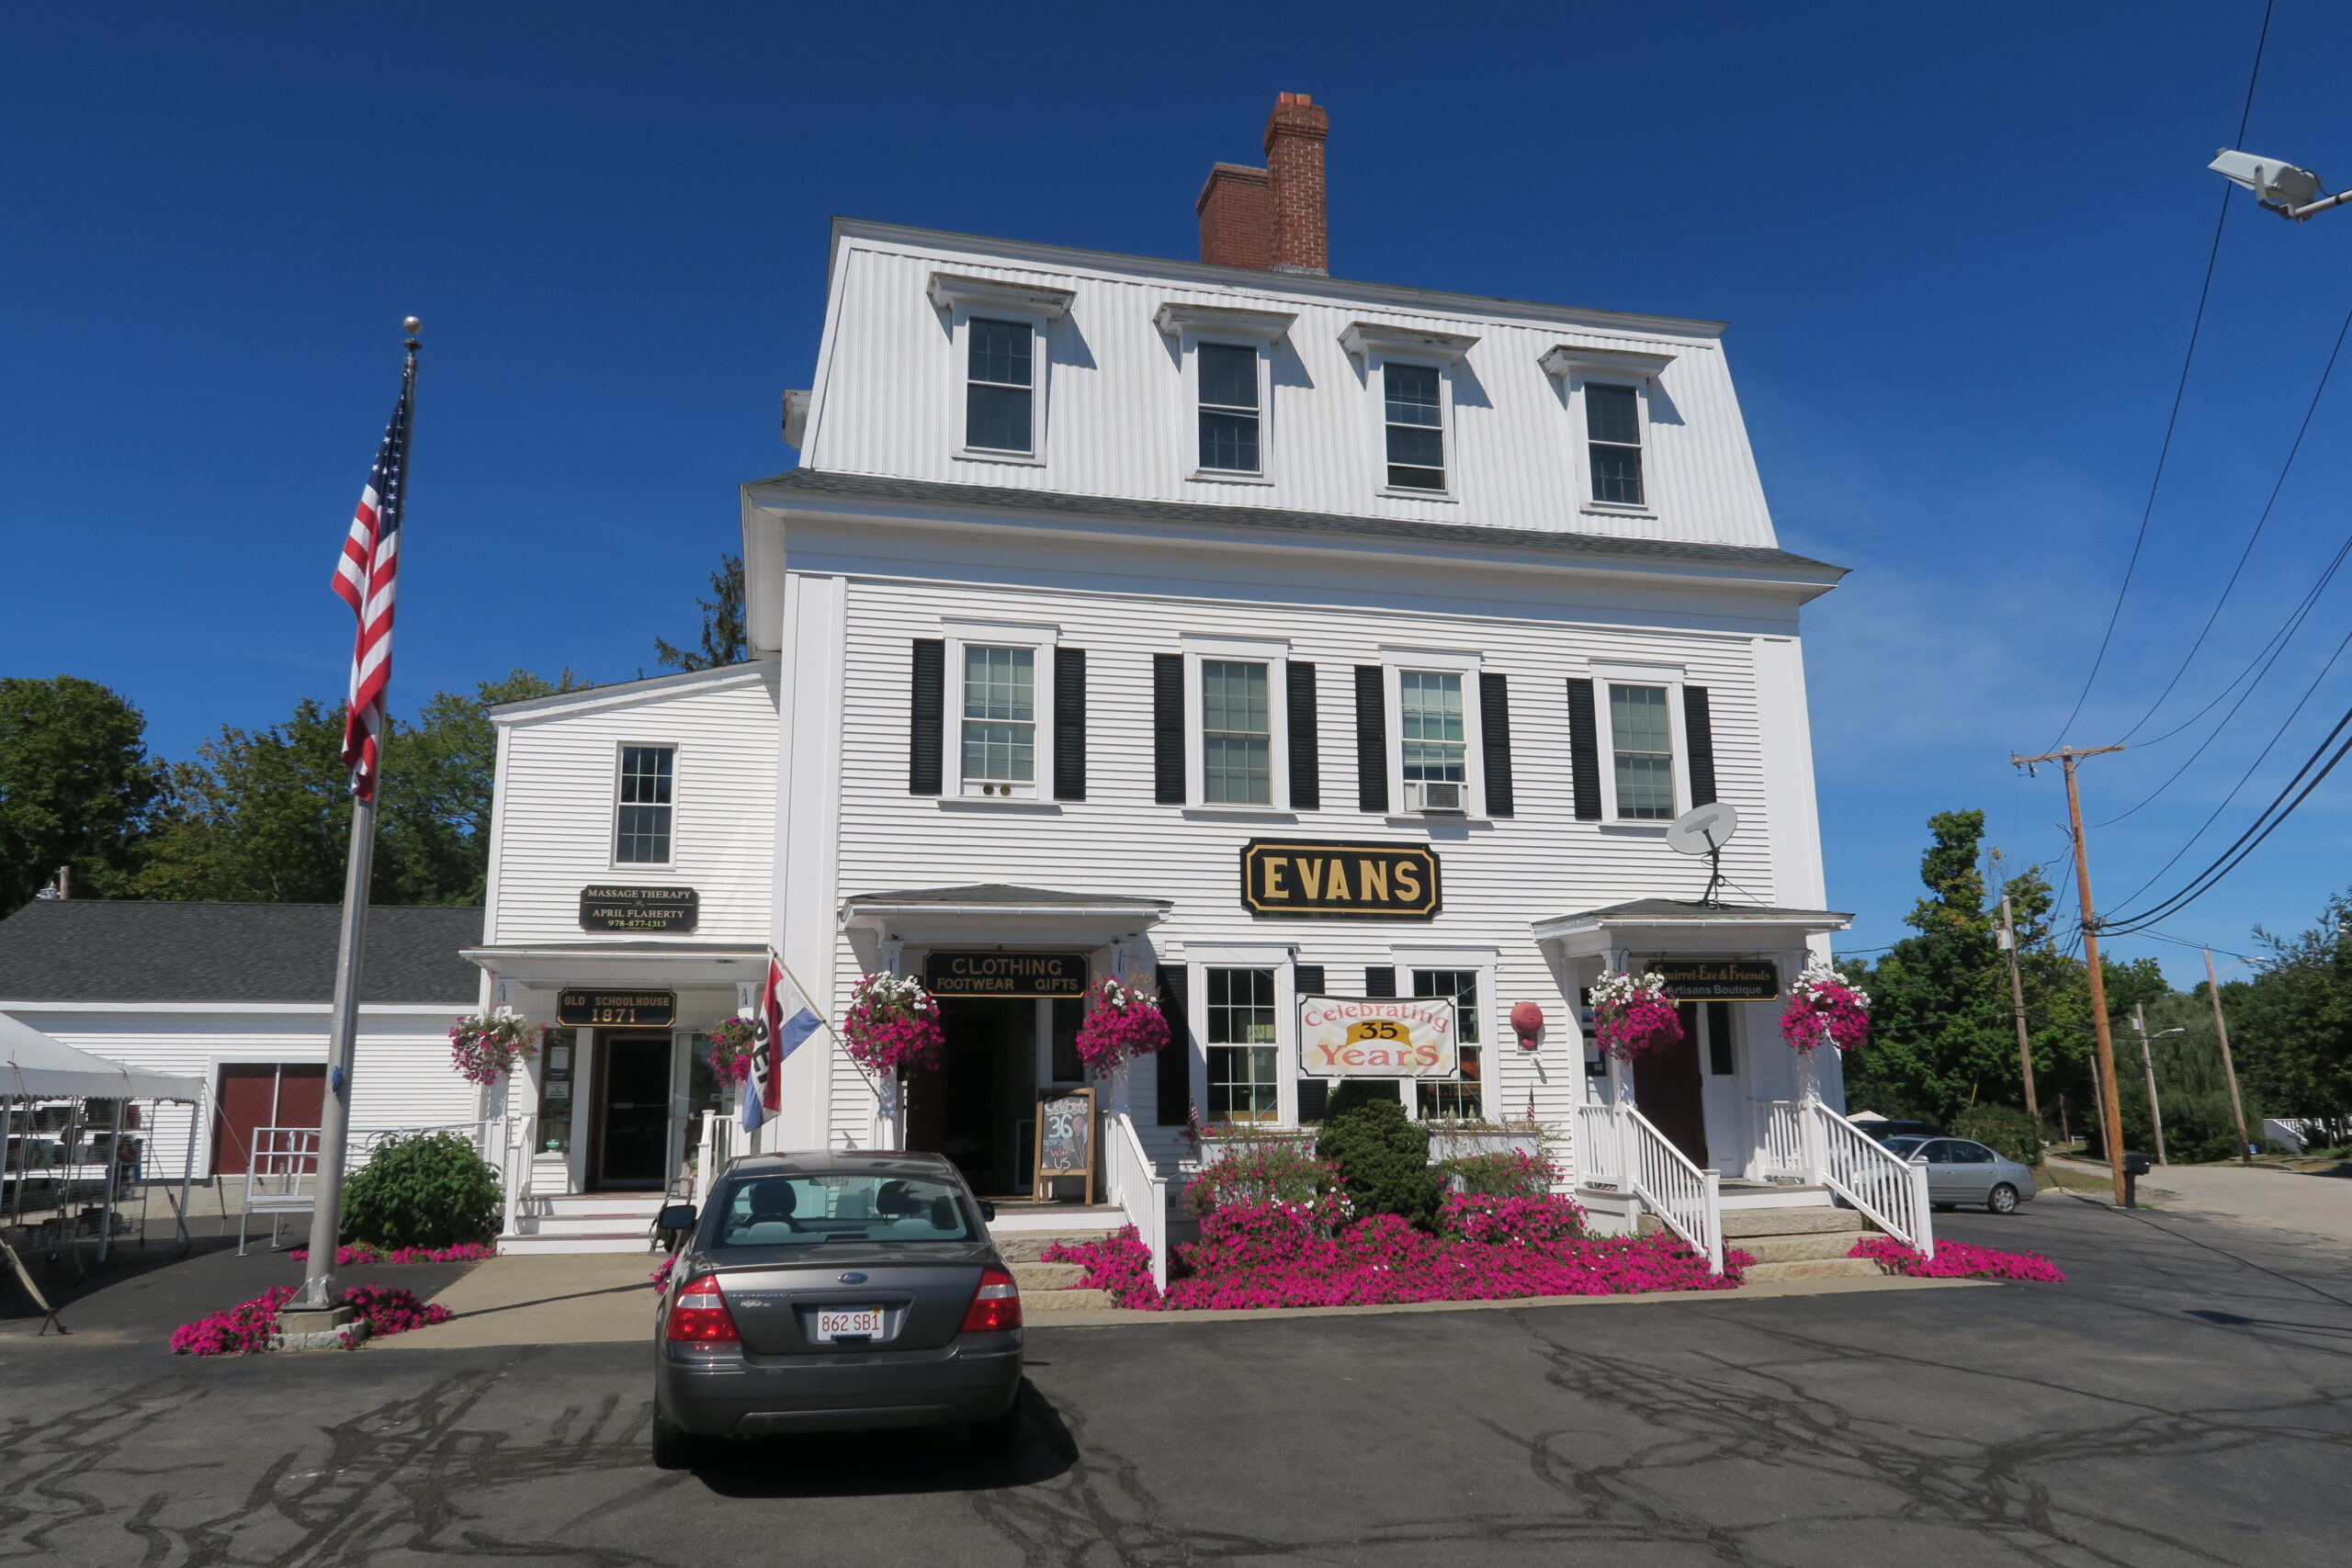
[{"x": 2319, "y": 1207}]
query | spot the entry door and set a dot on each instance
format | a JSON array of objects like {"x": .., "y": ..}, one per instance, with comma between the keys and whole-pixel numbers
[
  {"x": 633, "y": 1134},
  {"x": 262, "y": 1094},
  {"x": 1669, "y": 1091},
  {"x": 976, "y": 1108}
]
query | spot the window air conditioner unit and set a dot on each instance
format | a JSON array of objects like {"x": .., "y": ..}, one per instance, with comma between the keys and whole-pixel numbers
[{"x": 1439, "y": 799}]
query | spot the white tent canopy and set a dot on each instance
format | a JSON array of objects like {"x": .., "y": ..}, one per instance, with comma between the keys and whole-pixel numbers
[{"x": 39, "y": 1067}]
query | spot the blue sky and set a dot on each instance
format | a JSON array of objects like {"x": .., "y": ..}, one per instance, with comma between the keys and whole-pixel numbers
[{"x": 1958, "y": 247}]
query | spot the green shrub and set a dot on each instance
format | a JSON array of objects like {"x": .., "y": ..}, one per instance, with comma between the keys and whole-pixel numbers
[
  {"x": 1261, "y": 1171},
  {"x": 1512, "y": 1174},
  {"x": 1382, "y": 1158},
  {"x": 2002, "y": 1128},
  {"x": 430, "y": 1189}
]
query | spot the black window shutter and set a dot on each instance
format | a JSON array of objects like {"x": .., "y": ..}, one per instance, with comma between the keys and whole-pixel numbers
[
  {"x": 927, "y": 719},
  {"x": 1308, "y": 979},
  {"x": 1314, "y": 1099},
  {"x": 1306, "y": 782},
  {"x": 1174, "y": 1067},
  {"x": 1380, "y": 982},
  {"x": 1371, "y": 738},
  {"x": 1700, "y": 731},
  {"x": 1168, "y": 728},
  {"x": 1069, "y": 723},
  {"x": 1584, "y": 750},
  {"x": 1494, "y": 733}
]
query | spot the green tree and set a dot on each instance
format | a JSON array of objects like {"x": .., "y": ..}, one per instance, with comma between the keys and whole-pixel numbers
[
  {"x": 723, "y": 640},
  {"x": 265, "y": 816},
  {"x": 2291, "y": 1027},
  {"x": 76, "y": 785}
]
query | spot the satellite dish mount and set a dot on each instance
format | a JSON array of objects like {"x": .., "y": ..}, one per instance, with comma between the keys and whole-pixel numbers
[{"x": 1705, "y": 830}]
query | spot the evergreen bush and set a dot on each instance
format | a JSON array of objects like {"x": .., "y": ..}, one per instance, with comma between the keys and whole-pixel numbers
[
  {"x": 428, "y": 1190},
  {"x": 2002, "y": 1128},
  {"x": 1381, "y": 1155}
]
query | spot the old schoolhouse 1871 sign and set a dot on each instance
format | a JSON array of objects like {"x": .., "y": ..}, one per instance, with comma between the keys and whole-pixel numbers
[
  {"x": 639, "y": 909},
  {"x": 963, "y": 974},
  {"x": 1316, "y": 877},
  {"x": 629, "y": 1009},
  {"x": 1718, "y": 979}
]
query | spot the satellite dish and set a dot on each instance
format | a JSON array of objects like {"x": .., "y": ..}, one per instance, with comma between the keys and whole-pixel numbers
[{"x": 1705, "y": 830}]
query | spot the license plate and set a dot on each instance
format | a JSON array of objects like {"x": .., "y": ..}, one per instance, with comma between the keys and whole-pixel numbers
[{"x": 848, "y": 1322}]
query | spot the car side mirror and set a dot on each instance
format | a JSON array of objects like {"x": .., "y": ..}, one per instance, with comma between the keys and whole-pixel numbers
[
  {"x": 675, "y": 1217},
  {"x": 988, "y": 1210}
]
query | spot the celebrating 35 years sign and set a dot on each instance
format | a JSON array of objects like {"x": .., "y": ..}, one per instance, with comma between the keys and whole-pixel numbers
[{"x": 1377, "y": 1037}]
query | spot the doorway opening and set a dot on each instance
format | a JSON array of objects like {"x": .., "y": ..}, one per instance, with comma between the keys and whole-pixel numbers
[
  {"x": 1671, "y": 1092},
  {"x": 632, "y": 1124},
  {"x": 979, "y": 1109}
]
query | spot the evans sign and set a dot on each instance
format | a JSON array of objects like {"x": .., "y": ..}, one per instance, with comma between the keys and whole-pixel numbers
[
  {"x": 1377, "y": 1037},
  {"x": 1327, "y": 879}
]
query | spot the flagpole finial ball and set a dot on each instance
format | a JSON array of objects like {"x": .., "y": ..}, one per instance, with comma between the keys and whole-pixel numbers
[{"x": 411, "y": 325}]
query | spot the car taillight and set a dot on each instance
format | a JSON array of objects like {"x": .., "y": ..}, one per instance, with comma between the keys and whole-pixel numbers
[
  {"x": 996, "y": 1305},
  {"x": 698, "y": 1315}
]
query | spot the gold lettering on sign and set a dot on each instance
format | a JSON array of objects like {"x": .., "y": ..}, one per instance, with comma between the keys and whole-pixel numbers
[
  {"x": 1336, "y": 888},
  {"x": 1409, "y": 882},
  {"x": 1274, "y": 888},
  {"x": 1310, "y": 876},
  {"x": 1371, "y": 880}
]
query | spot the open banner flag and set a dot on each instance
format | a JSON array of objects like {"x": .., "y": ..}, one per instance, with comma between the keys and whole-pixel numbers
[{"x": 785, "y": 1020}]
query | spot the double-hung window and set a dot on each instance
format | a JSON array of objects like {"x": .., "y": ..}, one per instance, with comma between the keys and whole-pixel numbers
[
  {"x": 1642, "y": 736},
  {"x": 1463, "y": 1097},
  {"x": 1613, "y": 423},
  {"x": 1242, "y": 1047},
  {"x": 1228, "y": 414},
  {"x": 1429, "y": 725},
  {"x": 1237, "y": 734},
  {"x": 642, "y": 816},
  {"x": 999, "y": 390},
  {"x": 1415, "y": 414},
  {"x": 1000, "y": 739}
]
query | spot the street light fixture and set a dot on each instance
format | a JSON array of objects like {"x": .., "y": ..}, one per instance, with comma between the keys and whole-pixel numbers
[{"x": 2281, "y": 186}]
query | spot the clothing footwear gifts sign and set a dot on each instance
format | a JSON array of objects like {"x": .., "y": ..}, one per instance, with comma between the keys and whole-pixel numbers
[
  {"x": 956, "y": 974},
  {"x": 1328, "y": 878},
  {"x": 1377, "y": 1037}
]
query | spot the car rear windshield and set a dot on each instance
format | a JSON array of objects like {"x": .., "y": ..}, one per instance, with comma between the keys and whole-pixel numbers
[{"x": 809, "y": 1211}]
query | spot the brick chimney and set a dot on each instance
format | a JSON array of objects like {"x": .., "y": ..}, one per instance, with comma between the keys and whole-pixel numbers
[
  {"x": 1271, "y": 218},
  {"x": 1294, "y": 134}
]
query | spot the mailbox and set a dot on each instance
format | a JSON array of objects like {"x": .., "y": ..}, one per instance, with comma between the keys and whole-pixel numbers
[{"x": 2135, "y": 1163}]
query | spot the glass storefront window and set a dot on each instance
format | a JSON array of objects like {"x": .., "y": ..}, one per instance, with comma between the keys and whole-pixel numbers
[
  {"x": 558, "y": 1050},
  {"x": 1242, "y": 1046},
  {"x": 1461, "y": 1098}
]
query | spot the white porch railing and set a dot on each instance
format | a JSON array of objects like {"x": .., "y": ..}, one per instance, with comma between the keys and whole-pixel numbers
[
  {"x": 1875, "y": 1179},
  {"x": 514, "y": 1139},
  {"x": 716, "y": 1147},
  {"x": 1781, "y": 1139},
  {"x": 1137, "y": 1187},
  {"x": 281, "y": 1177},
  {"x": 1618, "y": 1148}
]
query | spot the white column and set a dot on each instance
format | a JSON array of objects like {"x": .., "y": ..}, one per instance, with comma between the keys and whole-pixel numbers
[{"x": 808, "y": 850}]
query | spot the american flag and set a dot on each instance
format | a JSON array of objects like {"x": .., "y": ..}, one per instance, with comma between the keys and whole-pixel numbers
[{"x": 364, "y": 578}]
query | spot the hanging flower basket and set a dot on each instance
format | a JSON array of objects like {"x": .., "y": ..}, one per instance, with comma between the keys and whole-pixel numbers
[
  {"x": 731, "y": 1048},
  {"x": 1823, "y": 1005},
  {"x": 893, "y": 1026},
  {"x": 1633, "y": 1015},
  {"x": 1122, "y": 1023},
  {"x": 486, "y": 1046}
]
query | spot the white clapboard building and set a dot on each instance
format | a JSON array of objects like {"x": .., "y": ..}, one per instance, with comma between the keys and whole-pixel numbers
[{"x": 1222, "y": 622}]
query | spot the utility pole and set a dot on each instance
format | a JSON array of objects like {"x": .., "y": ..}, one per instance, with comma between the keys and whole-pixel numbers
[
  {"x": 2221, "y": 1033},
  {"x": 2148, "y": 1064},
  {"x": 2017, "y": 1010},
  {"x": 2111, "y": 1114}
]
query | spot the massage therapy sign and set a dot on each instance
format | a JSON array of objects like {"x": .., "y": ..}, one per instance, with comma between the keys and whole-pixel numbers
[{"x": 1377, "y": 1037}]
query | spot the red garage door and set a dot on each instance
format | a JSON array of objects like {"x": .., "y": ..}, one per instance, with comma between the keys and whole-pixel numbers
[{"x": 262, "y": 1094}]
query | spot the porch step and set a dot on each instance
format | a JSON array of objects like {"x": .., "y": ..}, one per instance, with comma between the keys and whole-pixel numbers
[
  {"x": 1032, "y": 1277},
  {"x": 1744, "y": 1222},
  {"x": 1025, "y": 1247},
  {"x": 1811, "y": 1269},
  {"x": 1018, "y": 1218},
  {"x": 514, "y": 1246},
  {"x": 1045, "y": 1303},
  {"x": 1798, "y": 1246}
]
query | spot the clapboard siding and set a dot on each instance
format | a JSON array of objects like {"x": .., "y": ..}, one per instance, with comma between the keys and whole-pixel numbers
[
  {"x": 401, "y": 1076},
  {"x": 555, "y": 805},
  {"x": 888, "y": 395}
]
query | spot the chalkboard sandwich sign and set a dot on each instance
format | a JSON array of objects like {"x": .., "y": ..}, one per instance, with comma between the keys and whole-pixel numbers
[{"x": 1064, "y": 1140}]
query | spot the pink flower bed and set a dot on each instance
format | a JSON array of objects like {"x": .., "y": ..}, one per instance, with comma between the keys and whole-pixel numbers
[
  {"x": 1288, "y": 1255},
  {"x": 246, "y": 1328},
  {"x": 661, "y": 1275},
  {"x": 360, "y": 1252},
  {"x": 1956, "y": 1260}
]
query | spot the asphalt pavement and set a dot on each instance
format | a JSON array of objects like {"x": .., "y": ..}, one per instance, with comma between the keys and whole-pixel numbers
[{"x": 2185, "y": 1399}]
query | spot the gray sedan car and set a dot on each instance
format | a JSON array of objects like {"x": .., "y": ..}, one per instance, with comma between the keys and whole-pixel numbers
[
  {"x": 834, "y": 1292},
  {"x": 1962, "y": 1171}
]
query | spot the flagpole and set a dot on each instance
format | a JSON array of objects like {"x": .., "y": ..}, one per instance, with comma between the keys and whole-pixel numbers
[{"x": 317, "y": 1294}]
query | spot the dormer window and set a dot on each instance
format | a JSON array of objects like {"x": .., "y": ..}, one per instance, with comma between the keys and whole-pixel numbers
[
  {"x": 1229, "y": 377},
  {"x": 1416, "y": 426},
  {"x": 998, "y": 412},
  {"x": 1612, "y": 421}
]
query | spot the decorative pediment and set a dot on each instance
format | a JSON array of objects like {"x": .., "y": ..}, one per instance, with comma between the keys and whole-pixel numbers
[
  {"x": 950, "y": 290},
  {"x": 1174, "y": 319},
  {"x": 1567, "y": 359},
  {"x": 1366, "y": 340}
]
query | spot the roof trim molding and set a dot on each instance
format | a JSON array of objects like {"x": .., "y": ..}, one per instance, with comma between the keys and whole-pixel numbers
[
  {"x": 1176, "y": 318},
  {"x": 949, "y": 292},
  {"x": 622, "y": 693},
  {"x": 1563, "y": 360}
]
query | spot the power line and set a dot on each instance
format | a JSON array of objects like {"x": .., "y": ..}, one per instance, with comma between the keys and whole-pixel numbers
[{"x": 2180, "y": 390}]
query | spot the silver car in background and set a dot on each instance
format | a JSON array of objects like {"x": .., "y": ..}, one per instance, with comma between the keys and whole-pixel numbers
[
  {"x": 1963, "y": 1171},
  {"x": 831, "y": 1293}
]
